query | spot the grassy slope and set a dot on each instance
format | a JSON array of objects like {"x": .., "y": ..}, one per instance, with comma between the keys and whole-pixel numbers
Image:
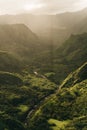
[
  {"x": 10, "y": 63},
  {"x": 67, "y": 109},
  {"x": 18, "y": 95}
]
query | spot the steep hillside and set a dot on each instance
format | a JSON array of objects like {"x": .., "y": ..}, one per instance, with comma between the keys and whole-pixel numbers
[
  {"x": 51, "y": 27},
  {"x": 19, "y": 40},
  {"x": 76, "y": 77},
  {"x": 10, "y": 63},
  {"x": 71, "y": 55},
  {"x": 81, "y": 25},
  {"x": 66, "y": 110}
]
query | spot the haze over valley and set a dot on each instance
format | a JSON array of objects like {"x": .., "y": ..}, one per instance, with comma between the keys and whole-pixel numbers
[{"x": 43, "y": 65}]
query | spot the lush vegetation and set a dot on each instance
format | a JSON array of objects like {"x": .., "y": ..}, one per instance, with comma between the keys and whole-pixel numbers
[
  {"x": 66, "y": 110},
  {"x": 18, "y": 95},
  {"x": 9, "y": 62},
  {"x": 33, "y": 92}
]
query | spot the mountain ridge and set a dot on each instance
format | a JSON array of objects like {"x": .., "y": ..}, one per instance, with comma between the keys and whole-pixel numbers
[
  {"x": 66, "y": 109},
  {"x": 44, "y": 25}
]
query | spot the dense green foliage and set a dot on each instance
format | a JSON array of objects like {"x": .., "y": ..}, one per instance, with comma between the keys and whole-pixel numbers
[
  {"x": 10, "y": 79},
  {"x": 66, "y": 110},
  {"x": 18, "y": 95}
]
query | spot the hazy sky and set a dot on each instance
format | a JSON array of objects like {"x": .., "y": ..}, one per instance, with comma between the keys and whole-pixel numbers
[{"x": 40, "y": 6}]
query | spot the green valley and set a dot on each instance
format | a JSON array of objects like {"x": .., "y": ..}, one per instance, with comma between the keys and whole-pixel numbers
[
  {"x": 66, "y": 110},
  {"x": 43, "y": 71}
]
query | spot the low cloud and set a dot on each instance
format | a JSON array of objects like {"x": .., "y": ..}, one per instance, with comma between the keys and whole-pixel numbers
[{"x": 50, "y": 6}]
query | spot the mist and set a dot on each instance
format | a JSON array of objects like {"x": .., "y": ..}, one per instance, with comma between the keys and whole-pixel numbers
[{"x": 40, "y": 6}]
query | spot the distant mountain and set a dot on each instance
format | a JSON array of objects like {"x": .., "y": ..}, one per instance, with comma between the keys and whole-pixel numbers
[
  {"x": 56, "y": 28},
  {"x": 66, "y": 110},
  {"x": 80, "y": 27},
  {"x": 19, "y": 40}
]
